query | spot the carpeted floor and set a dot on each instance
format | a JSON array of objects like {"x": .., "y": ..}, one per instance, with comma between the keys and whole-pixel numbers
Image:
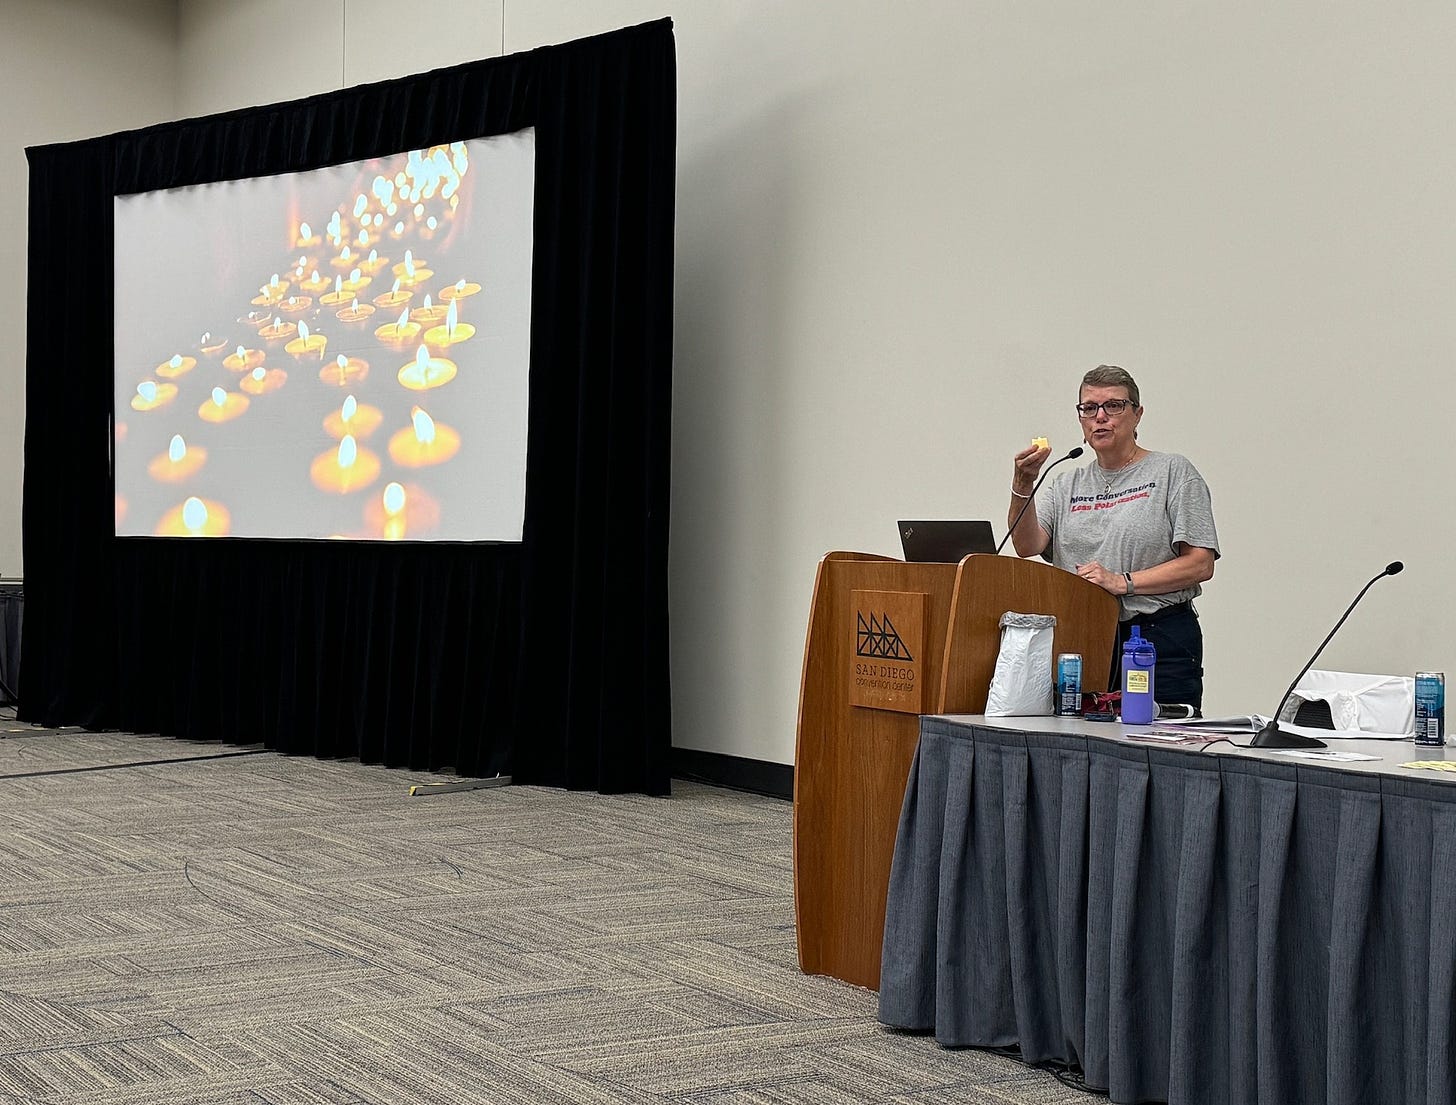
[{"x": 261, "y": 929}]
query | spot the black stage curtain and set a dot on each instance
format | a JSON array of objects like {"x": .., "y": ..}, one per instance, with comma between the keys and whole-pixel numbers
[{"x": 547, "y": 659}]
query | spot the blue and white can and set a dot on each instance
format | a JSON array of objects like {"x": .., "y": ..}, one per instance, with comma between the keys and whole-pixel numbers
[
  {"x": 1069, "y": 684},
  {"x": 1430, "y": 707}
]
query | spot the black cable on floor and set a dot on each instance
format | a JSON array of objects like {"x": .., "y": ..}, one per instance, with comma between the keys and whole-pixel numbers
[
  {"x": 1067, "y": 1074},
  {"x": 134, "y": 763}
]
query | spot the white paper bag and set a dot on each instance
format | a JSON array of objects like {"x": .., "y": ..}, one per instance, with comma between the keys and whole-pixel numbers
[
  {"x": 1371, "y": 703},
  {"x": 1022, "y": 685}
]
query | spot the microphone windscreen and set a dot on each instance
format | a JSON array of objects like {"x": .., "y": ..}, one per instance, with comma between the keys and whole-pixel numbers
[
  {"x": 1395, "y": 567},
  {"x": 1075, "y": 453}
]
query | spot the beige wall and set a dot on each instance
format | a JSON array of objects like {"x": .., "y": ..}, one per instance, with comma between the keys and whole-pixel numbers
[
  {"x": 903, "y": 232},
  {"x": 69, "y": 69}
]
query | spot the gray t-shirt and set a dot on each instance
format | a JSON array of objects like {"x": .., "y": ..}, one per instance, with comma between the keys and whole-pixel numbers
[{"x": 1128, "y": 520}]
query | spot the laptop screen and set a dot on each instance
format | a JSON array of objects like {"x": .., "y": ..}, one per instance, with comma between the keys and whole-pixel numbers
[{"x": 945, "y": 542}]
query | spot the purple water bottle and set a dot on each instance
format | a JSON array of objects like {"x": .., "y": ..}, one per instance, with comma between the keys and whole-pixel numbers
[{"x": 1138, "y": 659}]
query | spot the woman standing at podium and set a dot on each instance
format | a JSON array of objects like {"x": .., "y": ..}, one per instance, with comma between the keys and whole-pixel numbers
[{"x": 1137, "y": 523}]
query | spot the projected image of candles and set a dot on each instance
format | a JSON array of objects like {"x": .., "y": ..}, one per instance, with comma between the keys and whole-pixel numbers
[{"x": 422, "y": 259}]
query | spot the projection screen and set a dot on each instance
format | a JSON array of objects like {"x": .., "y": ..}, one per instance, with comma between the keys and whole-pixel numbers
[{"x": 341, "y": 353}]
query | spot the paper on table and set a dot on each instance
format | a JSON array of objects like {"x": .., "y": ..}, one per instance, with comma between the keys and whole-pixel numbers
[
  {"x": 1252, "y": 723},
  {"x": 1320, "y": 754}
]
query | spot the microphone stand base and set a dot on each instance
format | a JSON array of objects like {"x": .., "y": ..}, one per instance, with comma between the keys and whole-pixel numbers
[{"x": 1271, "y": 736}]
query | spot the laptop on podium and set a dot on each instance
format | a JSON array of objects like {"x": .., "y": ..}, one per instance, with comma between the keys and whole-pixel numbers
[{"x": 945, "y": 542}]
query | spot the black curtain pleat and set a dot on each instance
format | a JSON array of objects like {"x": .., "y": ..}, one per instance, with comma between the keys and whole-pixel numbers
[{"x": 546, "y": 659}]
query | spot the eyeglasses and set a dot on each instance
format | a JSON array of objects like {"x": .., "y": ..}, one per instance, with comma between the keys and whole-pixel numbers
[{"x": 1113, "y": 407}]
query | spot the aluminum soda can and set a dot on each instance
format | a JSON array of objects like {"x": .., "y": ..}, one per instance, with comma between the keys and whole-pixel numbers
[
  {"x": 1069, "y": 684},
  {"x": 1430, "y": 707}
]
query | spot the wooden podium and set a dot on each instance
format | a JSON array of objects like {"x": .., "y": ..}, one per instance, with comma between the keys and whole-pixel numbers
[{"x": 887, "y": 642}]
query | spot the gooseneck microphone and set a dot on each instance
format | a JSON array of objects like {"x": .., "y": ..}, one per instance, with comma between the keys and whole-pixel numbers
[
  {"x": 1073, "y": 455},
  {"x": 1271, "y": 736}
]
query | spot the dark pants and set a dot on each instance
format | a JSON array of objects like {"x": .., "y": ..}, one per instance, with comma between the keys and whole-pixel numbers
[{"x": 1178, "y": 676}]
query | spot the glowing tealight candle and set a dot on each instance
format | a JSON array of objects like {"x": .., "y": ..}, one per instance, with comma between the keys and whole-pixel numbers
[
  {"x": 344, "y": 261},
  {"x": 150, "y": 395},
  {"x": 345, "y": 469},
  {"x": 255, "y": 319},
  {"x": 429, "y": 314},
  {"x": 412, "y": 272},
  {"x": 459, "y": 290},
  {"x": 452, "y": 333},
  {"x": 426, "y": 372},
  {"x": 343, "y": 371},
  {"x": 178, "y": 462},
  {"x": 373, "y": 263},
  {"x": 271, "y": 292},
  {"x": 353, "y": 418},
  {"x": 175, "y": 367},
  {"x": 423, "y": 442},
  {"x": 296, "y": 304},
  {"x": 314, "y": 284},
  {"x": 209, "y": 345},
  {"x": 222, "y": 406},
  {"x": 357, "y": 281},
  {"x": 278, "y": 330},
  {"x": 354, "y": 312},
  {"x": 398, "y": 332},
  {"x": 337, "y": 296},
  {"x": 307, "y": 343},
  {"x": 401, "y": 511},
  {"x": 393, "y": 298},
  {"x": 263, "y": 380},
  {"x": 195, "y": 518},
  {"x": 243, "y": 359},
  {"x": 306, "y": 239}
]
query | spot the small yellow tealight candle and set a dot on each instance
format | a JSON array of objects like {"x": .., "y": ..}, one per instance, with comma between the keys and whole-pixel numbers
[
  {"x": 209, "y": 345},
  {"x": 243, "y": 360},
  {"x": 222, "y": 406},
  {"x": 178, "y": 462},
  {"x": 337, "y": 296},
  {"x": 345, "y": 469},
  {"x": 306, "y": 343},
  {"x": 314, "y": 284},
  {"x": 277, "y": 330},
  {"x": 271, "y": 292},
  {"x": 176, "y": 366},
  {"x": 426, "y": 372},
  {"x": 354, "y": 312},
  {"x": 195, "y": 518},
  {"x": 412, "y": 272},
  {"x": 150, "y": 395},
  {"x": 344, "y": 261},
  {"x": 356, "y": 283},
  {"x": 398, "y": 332},
  {"x": 424, "y": 442},
  {"x": 430, "y": 313},
  {"x": 458, "y": 290},
  {"x": 452, "y": 333},
  {"x": 263, "y": 380},
  {"x": 296, "y": 304},
  {"x": 400, "y": 512},
  {"x": 306, "y": 238},
  {"x": 343, "y": 371},
  {"x": 353, "y": 417},
  {"x": 373, "y": 263},
  {"x": 393, "y": 298}
]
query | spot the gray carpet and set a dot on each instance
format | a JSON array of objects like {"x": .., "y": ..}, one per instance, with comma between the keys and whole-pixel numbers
[{"x": 265, "y": 929}]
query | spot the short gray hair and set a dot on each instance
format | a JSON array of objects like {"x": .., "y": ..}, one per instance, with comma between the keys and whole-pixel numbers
[{"x": 1110, "y": 376}]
